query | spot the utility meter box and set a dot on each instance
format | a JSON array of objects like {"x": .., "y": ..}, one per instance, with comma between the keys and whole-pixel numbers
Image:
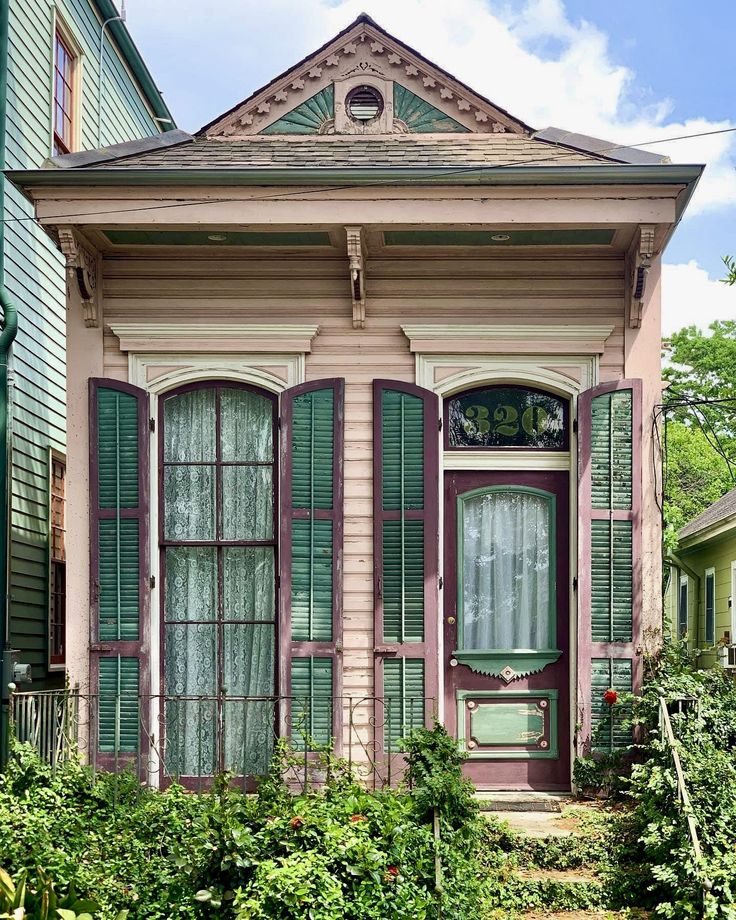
[{"x": 13, "y": 671}]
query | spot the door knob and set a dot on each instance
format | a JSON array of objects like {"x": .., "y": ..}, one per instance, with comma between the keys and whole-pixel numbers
[{"x": 451, "y": 621}]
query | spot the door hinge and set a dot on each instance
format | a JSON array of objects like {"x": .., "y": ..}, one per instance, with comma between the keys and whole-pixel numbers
[
  {"x": 575, "y": 584},
  {"x": 575, "y": 425},
  {"x": 278, "y": 423},
  {"x": 440, "y": 424},
  {"x": 441, "y": 582},
  {"x": 152, "y": 581},
  {"x": 152, "y": 424}
]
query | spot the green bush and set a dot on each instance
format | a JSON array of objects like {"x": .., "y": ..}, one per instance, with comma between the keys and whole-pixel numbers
[{"x": 332, "y": 851}]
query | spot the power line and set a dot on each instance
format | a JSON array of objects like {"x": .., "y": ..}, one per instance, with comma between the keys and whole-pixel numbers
[{"x": 380, "y": 183}]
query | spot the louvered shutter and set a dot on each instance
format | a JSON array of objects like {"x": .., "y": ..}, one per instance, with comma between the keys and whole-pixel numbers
[
  {"x": 312, "y": 438},
  {"x": 119, "y": 583},
  {"x": 610, "y": 485},
  {"x": 406, "y": 548}
]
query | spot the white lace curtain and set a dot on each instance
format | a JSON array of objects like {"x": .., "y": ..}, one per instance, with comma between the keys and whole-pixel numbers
[
  {"x": 205, "y": 657},
  {"x": 506, "y": 570}
]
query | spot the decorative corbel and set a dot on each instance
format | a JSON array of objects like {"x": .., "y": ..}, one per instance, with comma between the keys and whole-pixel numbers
[
  {"x": 356, "y": 263},
  {"x": 81, "y": 274},
  {"x": 639, "y": 261}
]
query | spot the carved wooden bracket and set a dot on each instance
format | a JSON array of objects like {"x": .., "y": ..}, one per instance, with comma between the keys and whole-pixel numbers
[
  {"x": 356, "y": 263},
  {"x": 81, "y": 273},
  {"x": 638, "y": 262}
]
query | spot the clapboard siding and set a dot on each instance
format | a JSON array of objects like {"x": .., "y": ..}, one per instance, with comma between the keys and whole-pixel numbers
[
  {"x": 34, "y": 276},
  {"x": 574, "y": 288}
]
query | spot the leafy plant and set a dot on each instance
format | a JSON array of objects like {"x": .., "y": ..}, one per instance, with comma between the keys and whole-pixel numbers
[{"x": 37, "y": 899}]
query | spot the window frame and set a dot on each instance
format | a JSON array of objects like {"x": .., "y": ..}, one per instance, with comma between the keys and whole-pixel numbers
[
  {"x": 56, "y": 662},
  {"x": 709, "y": 637},
  {"x": 684, "y": 582},
  {"x": 218, "y": 543},
  {"x": 61, "y": 32}
]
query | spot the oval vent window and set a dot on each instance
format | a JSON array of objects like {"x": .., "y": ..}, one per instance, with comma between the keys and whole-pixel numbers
[{"x": 364, "y": 103}]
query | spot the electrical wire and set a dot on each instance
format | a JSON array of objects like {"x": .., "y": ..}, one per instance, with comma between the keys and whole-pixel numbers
[{"x": 389, "y": 183}]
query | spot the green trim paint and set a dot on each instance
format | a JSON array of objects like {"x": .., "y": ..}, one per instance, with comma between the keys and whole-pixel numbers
[
  {"x": 199, "y": 238},
  {"x": 505, "y": 237}
]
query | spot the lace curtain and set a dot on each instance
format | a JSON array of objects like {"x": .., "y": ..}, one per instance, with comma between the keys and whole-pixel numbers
[
  {"x": 219, "y": 601},
  {"x": 506, "y": 571}
]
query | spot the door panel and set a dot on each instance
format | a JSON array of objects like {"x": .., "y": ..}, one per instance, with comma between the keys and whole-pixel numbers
[{"x": 506, "y": 629}]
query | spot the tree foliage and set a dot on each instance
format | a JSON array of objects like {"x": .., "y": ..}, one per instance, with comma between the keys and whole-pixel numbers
[{"x": 700, "y": 412}]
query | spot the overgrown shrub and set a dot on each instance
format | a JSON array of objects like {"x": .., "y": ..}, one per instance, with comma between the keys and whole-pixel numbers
[{"x": 705, "y": 729}]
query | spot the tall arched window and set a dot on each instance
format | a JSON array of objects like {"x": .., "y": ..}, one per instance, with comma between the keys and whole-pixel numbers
[{"x": 217, "y": 535}]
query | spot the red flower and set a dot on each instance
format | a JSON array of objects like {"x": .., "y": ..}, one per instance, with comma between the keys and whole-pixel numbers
[
  {"x": 356, "y": 818},
  {"x": 610, "y": 696},
  {"x": 392, "y": 870},
  {"x": 391, "y": 874},
  {"x": 296, "y": 822}
]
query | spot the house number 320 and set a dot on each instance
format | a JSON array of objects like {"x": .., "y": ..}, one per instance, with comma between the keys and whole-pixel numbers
[{"x": 506, "y": 420}]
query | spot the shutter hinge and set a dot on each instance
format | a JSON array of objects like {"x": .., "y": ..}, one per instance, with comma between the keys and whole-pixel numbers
[
  {"x": 575, "y": 425},
  {"x": 152, "y": 424},
  {"x": 441, "y": 582},
  {"x": 152, "y": 581},
  {"x": 440, "y": 423},
  {"x": 575, "y": 584}
]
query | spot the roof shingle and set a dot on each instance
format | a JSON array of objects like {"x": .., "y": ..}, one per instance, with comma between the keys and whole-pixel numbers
[{"x": 713, "y": 514}]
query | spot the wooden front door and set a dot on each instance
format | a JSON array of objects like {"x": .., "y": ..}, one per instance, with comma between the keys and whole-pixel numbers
[{"x": 506, "y": 626}]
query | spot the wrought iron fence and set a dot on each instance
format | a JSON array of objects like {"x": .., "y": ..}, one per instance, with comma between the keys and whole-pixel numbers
[{"x": 192, "y": 739}]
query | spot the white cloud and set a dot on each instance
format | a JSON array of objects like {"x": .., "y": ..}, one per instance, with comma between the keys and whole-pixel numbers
[
  {"x": 690, "y": 297},
  {"x": 537, "y": 64}
]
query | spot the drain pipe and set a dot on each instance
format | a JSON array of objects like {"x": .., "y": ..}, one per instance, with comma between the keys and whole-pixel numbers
[
  {"x": 7, "y": 336},
  {"x": 100, "y": 68}
]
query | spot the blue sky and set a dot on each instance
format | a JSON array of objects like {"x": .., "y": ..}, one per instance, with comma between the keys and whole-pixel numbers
[{"x": 627, "y": 71}]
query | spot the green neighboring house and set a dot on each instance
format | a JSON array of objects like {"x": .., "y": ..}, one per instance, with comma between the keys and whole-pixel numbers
[
  {"x": 699, "y": 600},
  {"x": 55, "y": 97}
]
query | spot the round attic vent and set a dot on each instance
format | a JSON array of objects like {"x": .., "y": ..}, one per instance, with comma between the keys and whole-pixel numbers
[{"x": 364, "y": 103}]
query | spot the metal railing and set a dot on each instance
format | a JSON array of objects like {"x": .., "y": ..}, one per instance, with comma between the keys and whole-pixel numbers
[{"x": 191, "y": 739}]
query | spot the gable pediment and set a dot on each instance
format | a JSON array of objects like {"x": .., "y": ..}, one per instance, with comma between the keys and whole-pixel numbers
[{"x": 415, "y": 95}]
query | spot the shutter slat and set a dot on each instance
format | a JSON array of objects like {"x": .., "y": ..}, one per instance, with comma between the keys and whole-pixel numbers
[
  {"x": 312, "y": 701},
  {"x": 403, "y": 699},
  {"x": 608, "y": 729},
  {"x": 119, "y": 692}
]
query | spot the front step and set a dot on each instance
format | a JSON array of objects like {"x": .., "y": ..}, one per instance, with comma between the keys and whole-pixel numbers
[
  {"x": 522, "y": 801},
  {"x": 554, "y": 889}
]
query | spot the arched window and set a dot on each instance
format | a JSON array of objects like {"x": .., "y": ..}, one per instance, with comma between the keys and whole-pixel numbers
[{"x": 506, "y": 417}]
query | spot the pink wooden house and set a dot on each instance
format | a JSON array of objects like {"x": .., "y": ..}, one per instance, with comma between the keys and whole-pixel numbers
[{"x": 361, "y": 388}]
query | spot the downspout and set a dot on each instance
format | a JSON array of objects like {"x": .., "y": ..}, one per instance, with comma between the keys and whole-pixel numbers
[{"x": 7, "y": 336}]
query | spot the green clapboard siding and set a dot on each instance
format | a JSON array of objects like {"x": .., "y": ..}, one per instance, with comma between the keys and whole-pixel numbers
[
  {"x": 118, "y": 705},
  {"x": 311, "y": 580},
  {"x": 402, "y": 434},
  {"x": 117, "y": 449},
  {"x": 312, "y": 702},
  {"x": 119, "y": 578},
  {"x": 34, "y": 277},
  {"x": 312, "y": 451},
  {"x": 403, "y": 581},
  {"x": 611, "y": 450},
  {"x": 611, "y": 581},
  {"x": 420, "y": 116},
  {"x": 307, "y": 118},
  {"x": 608, "y": 729},
  {"x": 403, "y": 699}
]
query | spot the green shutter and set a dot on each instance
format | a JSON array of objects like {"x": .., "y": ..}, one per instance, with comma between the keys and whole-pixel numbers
[
  {"x": 119, "y": 488},
  {"x": 311, "y": 702},
  {"x": 311, "y": 593},
  {"x": 405, "y": 477},
  {"x": 611, "y": 606},
  {"x": 403, "y": 581},
  {"x": 404, "y": 704},
  {"x": 119, "y": 693},
  {"x": 609, "y": 501},
  {"x": 608, "y": 723},
  {"x": 611, "y": 450},
  {"x": 119, "y": 579}
]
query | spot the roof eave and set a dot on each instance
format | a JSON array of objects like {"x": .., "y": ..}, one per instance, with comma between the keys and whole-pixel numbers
[
  {"x": 714, "y": 531},
  {"x": 594, "y": 174}
]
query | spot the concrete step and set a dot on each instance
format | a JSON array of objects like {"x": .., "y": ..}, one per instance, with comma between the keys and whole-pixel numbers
[
  {"x": 629, "y": 914},
  {"x": 522, "y": 801}
]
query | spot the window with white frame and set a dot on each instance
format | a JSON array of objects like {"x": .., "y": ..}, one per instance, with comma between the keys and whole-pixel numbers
[
  {"x": 682, "y": 607},
  {"x": 710, "y": 606}
]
